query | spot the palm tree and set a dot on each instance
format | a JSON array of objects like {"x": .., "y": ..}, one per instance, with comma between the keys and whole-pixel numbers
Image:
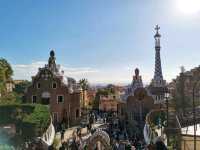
[{"x": 84, "y": 85}]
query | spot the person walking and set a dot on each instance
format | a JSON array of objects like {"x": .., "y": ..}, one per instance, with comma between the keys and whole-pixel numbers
[{"x": 160, "y": 144}]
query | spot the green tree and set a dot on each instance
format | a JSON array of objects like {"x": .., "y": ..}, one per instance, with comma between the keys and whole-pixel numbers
[
  {"x": 10, "y": 98},
  {"x": 21, "y": 87},
  {"x": 84, "y": 85},
  {"x": 5, "y": 74},
  {"x": 5, "y": 70}
]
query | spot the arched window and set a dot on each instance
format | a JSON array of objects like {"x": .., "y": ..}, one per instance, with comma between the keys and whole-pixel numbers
[{"x": 54, "y": 85}]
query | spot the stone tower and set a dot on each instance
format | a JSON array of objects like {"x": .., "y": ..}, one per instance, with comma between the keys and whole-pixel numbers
[
  {"x": 158, "y": 85},
  {"x": 158, "y": 77}
]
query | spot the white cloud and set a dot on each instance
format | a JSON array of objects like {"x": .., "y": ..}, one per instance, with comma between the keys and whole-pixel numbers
[
  {"x": 116, "y": 75},
  {"x": 111, "y": 75},
  {"x": 78, "y": 70},
  {"x": 26, "y": 71}
]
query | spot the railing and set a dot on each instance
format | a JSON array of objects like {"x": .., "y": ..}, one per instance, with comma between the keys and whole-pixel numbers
[
  {"x": 48, "y": 137},
  {"x": 179, "y": 124},
  {"x": 148, "y": 132}
]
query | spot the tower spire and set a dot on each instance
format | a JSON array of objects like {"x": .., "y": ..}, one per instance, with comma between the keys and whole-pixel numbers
[
  {"x": 52, "y": 62},
  {"x": 158, "y": 77},
  {"x": 157, "y": 36}
]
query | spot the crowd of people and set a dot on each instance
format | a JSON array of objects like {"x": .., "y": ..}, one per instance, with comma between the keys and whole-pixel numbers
[{"x": 117, "y": 133}]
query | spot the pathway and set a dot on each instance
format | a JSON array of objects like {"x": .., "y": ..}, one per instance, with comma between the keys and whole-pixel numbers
[{"x": 69, "y": 133}]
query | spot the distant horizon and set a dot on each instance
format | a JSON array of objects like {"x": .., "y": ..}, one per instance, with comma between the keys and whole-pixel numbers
[{"x": 36, "y": 65}]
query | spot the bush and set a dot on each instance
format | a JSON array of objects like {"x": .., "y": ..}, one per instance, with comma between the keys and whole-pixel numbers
[{"x": 30, "y": 120}]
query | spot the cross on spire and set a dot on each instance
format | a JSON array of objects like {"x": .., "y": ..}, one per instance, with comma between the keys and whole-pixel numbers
[
  {"x": 157, "y": 35},
  {"x": 157, "y": 28}
]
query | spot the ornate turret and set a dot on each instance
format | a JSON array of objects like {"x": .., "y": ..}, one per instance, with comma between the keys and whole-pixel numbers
[
  {"x": 136, "y": 83},
  {"x": 137, "y": 80},
  {"x": 52, "y": 62}
]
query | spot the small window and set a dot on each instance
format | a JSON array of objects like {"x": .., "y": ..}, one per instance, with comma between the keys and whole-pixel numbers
[
  {"x": 38, "y": 85},
  {"x": 34, "y": 99},
  {"x": 77, "y": 113},
  {"x": 60, "y": 98},
  {"x": 54, "y": 85}
]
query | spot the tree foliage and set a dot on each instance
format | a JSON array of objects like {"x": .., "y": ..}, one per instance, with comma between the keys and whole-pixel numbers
[
  {"x": 21, "y": 87},
  {"x": 30, "y": 120},
  {"x": 10, "y": 98},
  {"x": 5, "y": 74},
  {"x": 5, "y": 70},
  {"x": 84, "y": 84}
]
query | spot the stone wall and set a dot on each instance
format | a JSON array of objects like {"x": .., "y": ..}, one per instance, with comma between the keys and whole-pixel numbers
[{"x": 187, "y": 142}]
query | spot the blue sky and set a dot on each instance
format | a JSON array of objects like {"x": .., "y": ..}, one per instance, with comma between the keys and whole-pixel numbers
[{"x": 102, "y": 40}]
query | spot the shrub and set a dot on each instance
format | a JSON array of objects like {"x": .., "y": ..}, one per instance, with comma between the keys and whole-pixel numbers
[{"x": 6, "y": 147}]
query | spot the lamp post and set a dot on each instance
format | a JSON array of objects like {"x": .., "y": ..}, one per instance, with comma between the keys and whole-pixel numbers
[
  {"x": 167, "y": 107},
  {"x": 194, "y": 117},
  {"x": 193, "y": 108},
  {"x": 194, "y": 113}
]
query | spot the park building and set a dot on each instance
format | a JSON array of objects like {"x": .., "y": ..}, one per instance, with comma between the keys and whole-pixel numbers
[
  {"x": 158, "y": 87},
  {"x": 186, "y": 81},
  {"x": 62, "y": 94}
]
